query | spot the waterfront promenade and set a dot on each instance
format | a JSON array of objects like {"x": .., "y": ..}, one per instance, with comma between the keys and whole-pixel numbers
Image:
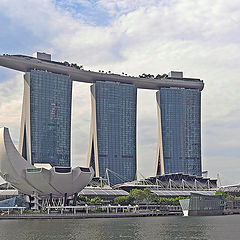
[{"x": 87, "y": 215}]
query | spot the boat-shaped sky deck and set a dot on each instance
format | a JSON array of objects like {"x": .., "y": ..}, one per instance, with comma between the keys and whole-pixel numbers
[{"x": 26, "y": 63}]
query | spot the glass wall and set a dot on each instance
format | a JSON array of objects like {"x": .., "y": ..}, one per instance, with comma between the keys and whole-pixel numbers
[
  {"x": 116, "y": 130},
  {"x": 50, "y": 118},
  {"x": 181, "y": 130}
]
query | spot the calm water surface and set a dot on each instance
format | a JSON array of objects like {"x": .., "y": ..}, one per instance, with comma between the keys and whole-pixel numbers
[{"x": 165, "y": 228}]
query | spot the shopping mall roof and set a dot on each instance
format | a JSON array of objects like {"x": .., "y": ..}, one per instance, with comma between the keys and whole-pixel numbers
[
  {"x": 181, "y": 193},
  {"x": 102, "y": 192}
]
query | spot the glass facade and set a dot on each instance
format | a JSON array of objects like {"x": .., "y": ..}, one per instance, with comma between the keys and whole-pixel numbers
[
  {"x": 50, "y": 118},
  {"x": 200, "y": 202},
  {"x": 116, "y": 130},
  {"x": 181, "y": 130}
]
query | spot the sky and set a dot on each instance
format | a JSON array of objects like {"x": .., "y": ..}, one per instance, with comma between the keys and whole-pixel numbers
[{"x": 200, "y": 38}]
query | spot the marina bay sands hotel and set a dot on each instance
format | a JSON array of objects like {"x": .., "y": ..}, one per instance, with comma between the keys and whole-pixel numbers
[{"x": 45, "y": 136}]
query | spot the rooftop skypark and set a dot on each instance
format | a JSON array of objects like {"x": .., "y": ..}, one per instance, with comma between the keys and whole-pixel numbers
[{"x": 43, "y": 61}]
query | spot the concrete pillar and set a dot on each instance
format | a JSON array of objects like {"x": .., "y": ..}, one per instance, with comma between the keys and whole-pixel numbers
[
  {"x": 75, "y": 199},
  {"x": 65, "y": 200},
  {"x": 50, "y": 199}
]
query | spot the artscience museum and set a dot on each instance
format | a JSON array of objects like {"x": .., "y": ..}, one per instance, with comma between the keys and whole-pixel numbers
[{"x": 29, "y": 179}]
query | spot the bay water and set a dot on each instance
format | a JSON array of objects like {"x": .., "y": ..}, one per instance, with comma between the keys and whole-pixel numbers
[{"x": 164, "y": 228}]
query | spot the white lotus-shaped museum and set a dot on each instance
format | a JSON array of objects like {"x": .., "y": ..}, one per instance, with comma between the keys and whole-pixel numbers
[{"x": 29, "y": 179}]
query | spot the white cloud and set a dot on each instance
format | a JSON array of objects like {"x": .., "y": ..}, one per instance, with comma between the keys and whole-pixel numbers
[
  {"x": 153, "y": 36},
  {"x": 80, "y": 123},
  {"x": 221, "y": 146},
  {"x": 124, "y": 6},
  {"x": 11, "y": 105}
]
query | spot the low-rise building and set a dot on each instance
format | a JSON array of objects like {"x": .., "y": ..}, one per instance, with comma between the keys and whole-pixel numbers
[{"x": 202, "y": 204}]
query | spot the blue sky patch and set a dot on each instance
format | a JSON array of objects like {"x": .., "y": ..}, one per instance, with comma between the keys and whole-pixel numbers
[
  {"x": 15, "y": 37},
  {"x": 89, "y": 11}
]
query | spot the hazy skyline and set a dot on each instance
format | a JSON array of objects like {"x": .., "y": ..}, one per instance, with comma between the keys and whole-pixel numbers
[{"x": 200, "y": 38}]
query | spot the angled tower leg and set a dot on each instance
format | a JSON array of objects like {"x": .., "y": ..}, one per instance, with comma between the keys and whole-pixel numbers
[
  {"x": 159, "y": 164},
  {"x": 24, "y": 147},
  {"x": 93, "y": 146}
]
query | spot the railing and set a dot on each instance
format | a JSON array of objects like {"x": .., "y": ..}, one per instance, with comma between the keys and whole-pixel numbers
[
  {"x": 87, "y": 208},
  {"x": 12, "y": 208}
]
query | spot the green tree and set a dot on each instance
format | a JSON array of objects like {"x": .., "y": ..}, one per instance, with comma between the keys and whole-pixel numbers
[
  {"x": 138, "y": 195},
  {"x": 149, "y": 197},
  {"x": 225, "y": 196},
  {"x": 124, "y": 200},
  {"x": 96, "y": 200},
  {"x": 83, "y": 198},
  {"x": 169, "y": 201}
]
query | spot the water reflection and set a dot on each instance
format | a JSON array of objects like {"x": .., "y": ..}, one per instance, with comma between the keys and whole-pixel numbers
[{"x": 164, "y": 228}]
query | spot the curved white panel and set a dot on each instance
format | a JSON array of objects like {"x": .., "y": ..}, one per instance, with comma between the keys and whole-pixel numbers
[
  {"x": 12, "y": 164},
  {"x": 28, "y": 179}
]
